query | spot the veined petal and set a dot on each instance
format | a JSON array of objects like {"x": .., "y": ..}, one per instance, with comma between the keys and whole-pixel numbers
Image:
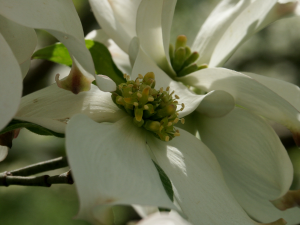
[
  {"x": 171, "y": 218},
  {"x": 197, "y": 179},
  {"x": 120, "y": 58},
  {"x": 117, "y": 18},
  {"x": 154, "y": 19},
  {"x": 21, "y": 40},
  {"x": 248, "y": 93},
  {"x": 111, "y": 166},
  {"x": 252, "y": 157},
  {"x": 59, "y": 18},
  {"x": 52, "y": 107},
  {"x": 10, "y": 83},
  {"x": 286, "y": 90},
  {"x": 255, "y": 17},
  {"x": 213, "y": 104},
  {"x": 215, "y": 26}
]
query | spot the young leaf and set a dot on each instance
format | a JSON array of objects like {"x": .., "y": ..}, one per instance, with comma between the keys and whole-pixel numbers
[
  {"x": 103, "y": 61},
  {"x": 16, "y": 124}
]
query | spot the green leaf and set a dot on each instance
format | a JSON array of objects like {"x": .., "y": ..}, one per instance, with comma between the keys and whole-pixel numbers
[
  {"x": 102, "y": 59},
  {"x": 57, "y": 53},
  {"x": 16, "y": 124},
  {"x": 166, "y": 183}
]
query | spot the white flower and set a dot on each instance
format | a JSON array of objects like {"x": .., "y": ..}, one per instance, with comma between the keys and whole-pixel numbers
[
  {"x": 18, "y": 19},
  {"x": 111, "y": 158},
  {"x": 230, "y": 24}
]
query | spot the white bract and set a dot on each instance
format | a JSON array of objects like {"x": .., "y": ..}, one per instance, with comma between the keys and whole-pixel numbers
[{"x": 111, "y": 158}]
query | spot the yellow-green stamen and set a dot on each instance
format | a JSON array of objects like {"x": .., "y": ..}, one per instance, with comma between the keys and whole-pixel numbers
[{"x": 154, "y": 110}]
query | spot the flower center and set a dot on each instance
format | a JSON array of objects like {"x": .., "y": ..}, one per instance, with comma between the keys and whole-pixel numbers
[
  {"x": 152, "y": 109},
  {"x": 182, "y": 58}
]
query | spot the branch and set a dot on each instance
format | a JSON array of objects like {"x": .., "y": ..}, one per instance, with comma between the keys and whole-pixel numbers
[
  {"x": 52, "y": 164},
  {"x": 42, "y": 181}
]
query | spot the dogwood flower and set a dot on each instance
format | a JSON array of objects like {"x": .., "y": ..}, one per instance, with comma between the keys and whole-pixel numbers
[
  {"x": 18, "y": 19},
  {"x": 230, "y": 24},
  {"x": 111, "y": 157}
]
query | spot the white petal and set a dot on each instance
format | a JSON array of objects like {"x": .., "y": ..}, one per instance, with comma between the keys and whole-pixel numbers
[
  {"x": 117, "y": 18},
  {"x": 120, "y": 58},
  {"x": 105, "y": 83},
  {"x": 252, "y": 157},
  {"x": 22, "y": 41},
  {"x": 267, "y": 211},
  {"x": 255, "y": 17},
  {"x": 111, "y": 166},
  {"x": 286, "y": 90},
  {"x": 145, "y": 211},
  {"x": 215, "y": 26},
  {"x": 3, "y": 152},
  {"x": 171, "y": 218},
  {"x": 10, "y": 83},
  {"x": 248, "y": 93},
  {"x": 52, "y": 107},
  {"x": 59, "y": 18},
  {"x": 204, "y": 103},
  {"x": 198, "y": 182},
  {"x": 153, "y": 21}
]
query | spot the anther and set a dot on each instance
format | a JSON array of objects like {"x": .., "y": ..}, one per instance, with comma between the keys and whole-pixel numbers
[
  {"x": 170, "y": 124},
  {"x": 140, "y": 76},
  {"x": 130, "y": 85},
  {"x": 150, "y": 99},
  {"x": 137, "y": 82},
  {"x": 176, "y": 120},
  {"x": 124, "y": 75},
  {"x": 139, "y": 95},
  {"x": 136, "y": 104},
  {"x": 146, "y": 107},
  {"x": 177, "y": 134},
  {"x": 182, "y": 105},
  {"x": 167, "y": 138},
  {"x": 176, "y": 96},
  {"x": 127, "y": 77},
  {"x": 182, "y": 120},
  {"x": 168, "y": 88},
  {"x": 130, "y": 92},
  {"x": 172, "y": 92},
  {"x": 161, "y": 90}
]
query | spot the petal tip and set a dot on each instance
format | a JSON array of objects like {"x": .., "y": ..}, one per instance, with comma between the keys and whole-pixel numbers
[{"x": 105, "y": 83}]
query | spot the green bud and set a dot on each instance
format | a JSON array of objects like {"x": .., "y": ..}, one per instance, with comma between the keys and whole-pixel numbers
[
  {"x": 192, "y": 58},
  {"x": 178, "y": 58},
  {"x": 180, "y": 41},
  {"x": 187, "y": 70}
]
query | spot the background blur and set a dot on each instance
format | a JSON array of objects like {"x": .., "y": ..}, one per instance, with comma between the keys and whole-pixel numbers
[{"x": 273, "y": 52}]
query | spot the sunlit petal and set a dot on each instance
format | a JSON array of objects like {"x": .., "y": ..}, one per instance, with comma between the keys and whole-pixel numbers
[
  {"x": 199, "y": 186},
  {"x": 111, "y": 166}
]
